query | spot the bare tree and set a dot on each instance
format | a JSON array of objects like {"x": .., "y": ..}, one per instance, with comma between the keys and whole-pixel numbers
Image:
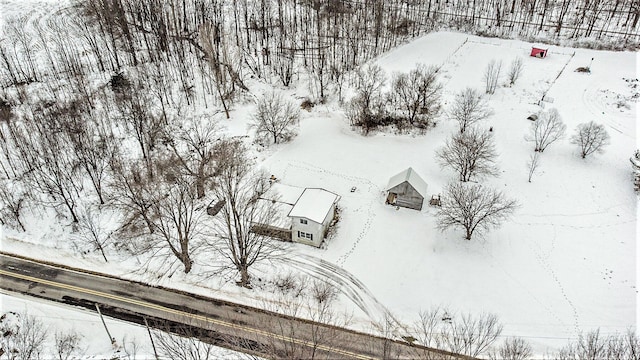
[
  {"x": 183, "y": 344},
  {"x": 193, "y": 146},
  {"x": 418, "y": 94},
  {"x": 492, "y": 75},
  {"x": 275, "y": 119},
  {"x": 323, "y": 296},
  {"x": 146, "y": 127},
  {"x": 301, "y": 297},
  {"x": 512, "y": 349},
  {"x": 594, "y": 345},
  {"x": 92, "y": 230},
  {"x": 176, "y": 217},
  {"x": 473, "y": 208},
  {"x": 12, "y": 198},
  {"x": 133, "y": 194},
  {"x": 55, "y": 172},
  {"x": 590, "y": 138},
  {"x": 470, "y": 154},
  {"x": 533, "y": 164},
  {"x": 129, "y": 348},
  {"x": 23, "y": 336},
  {"x": 366, "y": 108},
  {"x": 91, "y": 149},
  {"x": 472, "y": 335},
  {"x": 428, "y": 326},
  {"x": 218, "y": 54},
  {"x": 515, "y": 70},
  {"x": 239, "y": 189},
  {"x": 463, "y": 334},
  {"x": 68, "y": 345},
  {"x": 468, "y": 108},
  {"x": 547, "y": 129}
]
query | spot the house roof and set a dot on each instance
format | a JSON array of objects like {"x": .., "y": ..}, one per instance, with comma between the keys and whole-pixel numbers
[
  {"x": 283, "y": 193},
  {"x": 314, "y": 204},
  {"x": 412, "y": 177},
  {"x": 279, "y": 218}
]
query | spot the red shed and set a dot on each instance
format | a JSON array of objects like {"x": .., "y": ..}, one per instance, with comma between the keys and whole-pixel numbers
[{"x": 538, "y": 52}]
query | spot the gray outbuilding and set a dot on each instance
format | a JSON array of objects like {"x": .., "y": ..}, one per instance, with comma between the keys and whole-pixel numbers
[{"x": 407, "y": 189}]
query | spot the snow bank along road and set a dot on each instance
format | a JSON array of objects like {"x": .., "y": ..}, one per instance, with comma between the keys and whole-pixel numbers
[{"x": 226, "y": 324}]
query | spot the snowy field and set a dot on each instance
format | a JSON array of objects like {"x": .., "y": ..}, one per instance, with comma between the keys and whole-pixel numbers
[{"x": 565, "y": 263}]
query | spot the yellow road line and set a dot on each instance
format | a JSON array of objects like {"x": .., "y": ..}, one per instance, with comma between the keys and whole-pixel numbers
[{"x": 184, "y": 314}]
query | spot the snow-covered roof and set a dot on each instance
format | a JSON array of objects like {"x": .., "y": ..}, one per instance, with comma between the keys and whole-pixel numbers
[
  {"x": 283, "y": 193},
  {"x": 314, "y": 204},
  {"x": 412, "y": 177},
  {"x": 279, "y": 219}
]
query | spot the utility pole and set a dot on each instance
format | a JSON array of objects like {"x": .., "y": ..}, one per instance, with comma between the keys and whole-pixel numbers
[
  {"x": 155, "y": 352},
  {"x": 105, "y": 325}
]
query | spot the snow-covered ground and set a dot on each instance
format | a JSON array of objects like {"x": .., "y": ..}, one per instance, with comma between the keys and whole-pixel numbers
[
  {"x": 564, "y": 263},
  {"x": 132, "y": 341}
]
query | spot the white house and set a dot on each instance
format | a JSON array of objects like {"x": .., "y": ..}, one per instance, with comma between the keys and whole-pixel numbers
[{"x": 311, "y": 216}]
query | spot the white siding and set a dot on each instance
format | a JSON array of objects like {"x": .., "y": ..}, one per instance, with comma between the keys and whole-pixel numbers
[{"x": 310, "y": 227}]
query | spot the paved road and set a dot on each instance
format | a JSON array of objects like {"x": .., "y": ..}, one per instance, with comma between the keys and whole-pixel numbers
[{"x": 223, "y": 323}]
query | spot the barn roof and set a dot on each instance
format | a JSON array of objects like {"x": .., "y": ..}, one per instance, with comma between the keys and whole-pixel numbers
[
  {"x": 412, "y": 177},
  {"x": 314, "y": 204}
]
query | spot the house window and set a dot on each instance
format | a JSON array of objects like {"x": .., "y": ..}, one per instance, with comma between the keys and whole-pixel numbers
[
  {"x": 303, "y": 221},
  {"x": 303, "y": 235}
]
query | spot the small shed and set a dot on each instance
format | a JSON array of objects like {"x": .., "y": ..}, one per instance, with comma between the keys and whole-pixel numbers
[
  {"x": 407, "y": 189},
  {"x": 539, "y": 52}
]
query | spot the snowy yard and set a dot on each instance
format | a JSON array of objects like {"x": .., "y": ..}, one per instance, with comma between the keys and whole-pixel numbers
[{"x": 565, "y": 263}]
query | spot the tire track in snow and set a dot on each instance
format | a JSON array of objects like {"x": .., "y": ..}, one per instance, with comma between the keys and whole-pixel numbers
[
  {"x": 344, "y": 281},
  {"x": 347, "y": 284},
  {"x": 622, "y": 122}
]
